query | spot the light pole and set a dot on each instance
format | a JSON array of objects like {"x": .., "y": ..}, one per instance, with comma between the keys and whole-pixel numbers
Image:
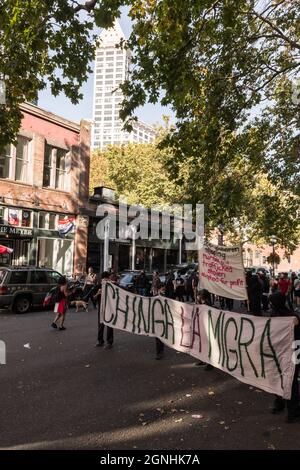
[
  {"x": 273, "y": 241},
  {"x": 133, "y": 228},
  {"x": 106, "y": 245}
]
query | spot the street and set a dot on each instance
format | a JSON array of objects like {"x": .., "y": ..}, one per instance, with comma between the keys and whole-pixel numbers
[{"x": 60, "y": 392}]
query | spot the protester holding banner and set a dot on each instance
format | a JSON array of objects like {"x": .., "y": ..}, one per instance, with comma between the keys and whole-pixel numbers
[
  {"x": 279, "y": 309},
  {"x": 109, "y": 331}
]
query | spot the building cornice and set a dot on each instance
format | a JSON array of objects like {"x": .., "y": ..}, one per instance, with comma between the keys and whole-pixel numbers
[{"x": 51, "y": 117}]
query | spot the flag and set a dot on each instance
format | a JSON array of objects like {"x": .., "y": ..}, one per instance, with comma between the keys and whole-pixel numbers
[
  {"x": 5, "y": 250},
  {"x": 65, "y": 226}
]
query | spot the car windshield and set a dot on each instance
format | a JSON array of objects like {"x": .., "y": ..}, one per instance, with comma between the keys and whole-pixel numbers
[
  {"x": 126, "y": 279},
  {"x": 2, "y": 275}
]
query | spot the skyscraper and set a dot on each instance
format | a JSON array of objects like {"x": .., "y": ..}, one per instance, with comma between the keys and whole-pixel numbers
[{"x": 112, "y": 68}]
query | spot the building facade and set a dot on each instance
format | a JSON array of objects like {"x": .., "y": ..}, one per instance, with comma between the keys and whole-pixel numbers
[
  {"x": 112, "y": 66},
  {"x": 44, "y": 182}
]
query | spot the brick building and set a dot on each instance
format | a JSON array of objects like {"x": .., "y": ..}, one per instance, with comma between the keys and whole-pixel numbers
[{"x": 44, "y": 182}]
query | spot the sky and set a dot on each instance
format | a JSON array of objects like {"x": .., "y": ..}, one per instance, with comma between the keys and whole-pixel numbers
[{"x": 83, "y": 110}]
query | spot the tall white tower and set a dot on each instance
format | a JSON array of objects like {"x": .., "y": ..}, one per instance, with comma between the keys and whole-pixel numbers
[{"x": 111, "y": 69}]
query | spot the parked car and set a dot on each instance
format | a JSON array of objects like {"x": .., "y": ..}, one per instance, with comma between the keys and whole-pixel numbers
[
  {"x": 127, "y": 280},
  {"x": 255, "y": 269},
  {"x": 24, "y": 287}
]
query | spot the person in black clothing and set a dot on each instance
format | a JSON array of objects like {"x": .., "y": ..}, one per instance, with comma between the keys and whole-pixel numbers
[
  {"x": 204, "y": 297},
  {"x": 169, "y": 287},
  {"x": 170, "y": 293},
  {"x": 109, "y": 331},
  {"x": 180, "y": 289},
  {"x": 255, "y": 291},
  {"x": 279, "y": 309},
  {"x": 266, "y": 289},
  {"x": 142, "y": 283}
]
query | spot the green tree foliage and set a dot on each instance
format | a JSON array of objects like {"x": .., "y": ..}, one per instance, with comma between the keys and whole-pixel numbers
[
  {"x": 137, "y": 172},
  {"x": 226, "y": 67}
]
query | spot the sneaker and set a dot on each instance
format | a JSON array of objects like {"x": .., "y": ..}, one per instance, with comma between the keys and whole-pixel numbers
[
  {"x": 54, "y": 325},
  {"x": 99, "y": 344},
  {"x": 108, "y": 346},
  {"x": 61, "y": 328},
  {"x": 208, "y": 367},
  {"x": 199, "y": 363}
]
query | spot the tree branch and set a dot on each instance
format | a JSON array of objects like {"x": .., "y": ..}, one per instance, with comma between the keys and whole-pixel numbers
[
  {"x": 292, "y": 43},
  {"x": 88, "y": 6}
]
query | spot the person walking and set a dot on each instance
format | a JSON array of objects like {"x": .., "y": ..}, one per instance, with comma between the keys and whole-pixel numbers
[
  {"x": 142, "y": 283},
  {"x": 266, "y": 290},
  {"x": 179, "y": 288},
  {"x": 297, "y": 293},
  {"x": 156, "y": 284},
  {"x": 255, "y": 291},
  {"x": 61, "y": 304},
  {"x": 90, "y": 287},
  {"x": 279, "y": 309},
  {"x": 105, "y": 276}
]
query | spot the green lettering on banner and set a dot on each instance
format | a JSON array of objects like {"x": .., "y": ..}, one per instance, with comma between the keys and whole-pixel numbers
[
  {"x": 246, "y": 344},
  {"x": 230, "y": 320},
  {"x": 168, "y": 314},
  {"x": 118, "y": 309},
  {"x": 141, "y": 314},
  {"x": 222, "y": 340},
  {"x": 216, "y": 332},
  {"x": 106, "y": 289},
  {"x": 134, "y": 314},
  {"x": 267, "y": 334},
  {"x": 154, "y": 321}
]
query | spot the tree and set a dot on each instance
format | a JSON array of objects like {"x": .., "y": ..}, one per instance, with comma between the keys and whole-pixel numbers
[
  {"x": 226, "y": 67},
  {"x": 137, "y": 173}
]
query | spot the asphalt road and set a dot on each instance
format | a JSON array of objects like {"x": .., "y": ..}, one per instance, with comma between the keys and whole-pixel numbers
[{"x": 60, "y": 392}]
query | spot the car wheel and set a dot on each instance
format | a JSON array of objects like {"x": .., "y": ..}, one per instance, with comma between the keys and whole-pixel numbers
[{"x": 22, "y": 304}]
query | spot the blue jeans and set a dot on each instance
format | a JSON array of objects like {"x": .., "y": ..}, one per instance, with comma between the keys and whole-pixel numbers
[{"x": 142, "y": 291}]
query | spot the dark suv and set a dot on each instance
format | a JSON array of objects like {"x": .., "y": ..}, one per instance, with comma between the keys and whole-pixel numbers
[{"x": 23, "y": 288}]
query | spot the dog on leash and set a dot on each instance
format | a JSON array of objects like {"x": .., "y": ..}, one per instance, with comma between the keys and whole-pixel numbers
[{"x": 80, "y": 304}]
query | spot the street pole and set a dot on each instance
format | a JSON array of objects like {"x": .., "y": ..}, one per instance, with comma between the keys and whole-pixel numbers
[
  {"x": 106, "y": 245},
  {"x": 180, "y": 250},
  {"x": 133, "y": 228}
]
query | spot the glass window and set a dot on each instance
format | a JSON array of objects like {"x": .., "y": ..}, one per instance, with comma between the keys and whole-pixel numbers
[
  {"x": 38, "y": 277},
  {"x": 53, "y": 277},
  {"x": 18, "y": 277},
  {"x": 5, "y": 162},
  {"x": 13, "y": 217},
  {"x": 60, "y": 182},
  {"x": 22, "y": 159},
  {"x": 47, "y": 165},
  {"x": 52, "y": 221},
  {"x": 26, "y": 219},
  {"x": 42, "y": 219},
  {"x": 1, "y": 215}
]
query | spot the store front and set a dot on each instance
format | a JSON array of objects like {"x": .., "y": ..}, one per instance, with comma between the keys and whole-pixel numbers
[{"x": 20, "y": 240}]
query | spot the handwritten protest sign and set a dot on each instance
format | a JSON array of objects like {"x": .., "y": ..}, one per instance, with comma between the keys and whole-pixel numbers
[
  {"x": 221, "y": 271},
  {"x": 255, "y": 350}
]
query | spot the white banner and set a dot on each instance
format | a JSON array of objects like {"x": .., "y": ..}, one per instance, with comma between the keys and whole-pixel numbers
[
  {"x": 221, "y": 271},
  {"x": 255, "y": 350}
]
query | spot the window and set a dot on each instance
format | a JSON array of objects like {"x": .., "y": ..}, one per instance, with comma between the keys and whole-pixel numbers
[
  {"x": 14, "y": 161},
  {"x": 5, "y": 159},
  {"x": 52, "y": 221},
  {"x": 55, "y": 168},
  {"x": 47, "y": 166},
  {"x": 53, "y": 276},
  {"x": 2, "y": 215},
  {"x": 38, "y": 277},
  {"x": 21, "y": 159},
  {"x": 26, "y": 219},
  {"x": 42, "y": 219},
  {"x": 18, "y": 277}
]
